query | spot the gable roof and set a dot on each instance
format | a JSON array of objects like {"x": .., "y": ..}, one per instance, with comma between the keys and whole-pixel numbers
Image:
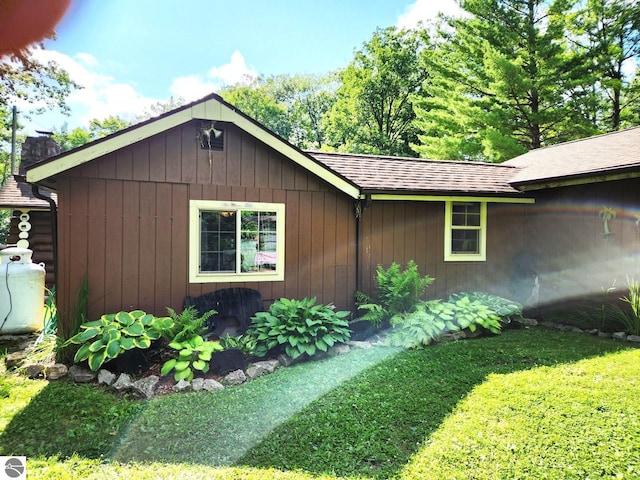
[
  {"x": 18, "y": 195},
  {"x": 385, "y": 174},
  {"x": 579, "y": 161},
  {"x": 211, "y": 107}
]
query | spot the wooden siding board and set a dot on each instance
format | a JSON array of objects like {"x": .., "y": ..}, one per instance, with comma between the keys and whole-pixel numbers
[
  {"x": 158, "y": 158},
  {"x": 292, "y": 244},
  {"x": 248, "y": 162},
  {"x": 78, "y": 234},
  {"x": 114, "y": 245},
  {"x": 130, "y": 244},
  {"x": 173, "y": 155},
  {"x": 147, "y": 259},
  {"x": 233, "y": 167},
  {"x": 330, "y": 249},
  {"x": 318, "y": 247},
  {"x": 288, "y": 176},
  {"x": 124, "y": 164},
  {"x": 188, "y": 154},
  {"x": 97, "y": 240},
  {"x": 163, "y": 250},
  {"x": 262, "y": 167},
  {"x": 275, "y": 170},
  {"x": 107, "y": 166},
  {"x": 141, "y": 168},
  {"x": 304, "y": 246},
  {"x": 179, "y": 245}
]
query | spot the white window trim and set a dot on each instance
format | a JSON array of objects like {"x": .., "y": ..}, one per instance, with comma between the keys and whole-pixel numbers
[
  {"x": 195, "y": 276},
  {"x": 449, "y": 256}
]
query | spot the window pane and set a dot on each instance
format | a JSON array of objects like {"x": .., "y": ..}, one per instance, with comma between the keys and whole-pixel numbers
[
  {"x": 259, "y": 242},
  {"x": 465, "y": 241},
  {"x": 217, "y": 241},
  {"x": 465, "y": 214}
]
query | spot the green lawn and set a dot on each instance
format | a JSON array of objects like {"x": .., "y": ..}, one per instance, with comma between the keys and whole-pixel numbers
[{"x": 527, "y": 404}]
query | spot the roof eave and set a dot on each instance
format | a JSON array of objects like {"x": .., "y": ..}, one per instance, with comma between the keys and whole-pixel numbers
[{"x": 578, "y": 179}]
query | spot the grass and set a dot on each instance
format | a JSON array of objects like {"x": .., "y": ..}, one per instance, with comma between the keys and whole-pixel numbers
[{"x": 525, "y": 404}]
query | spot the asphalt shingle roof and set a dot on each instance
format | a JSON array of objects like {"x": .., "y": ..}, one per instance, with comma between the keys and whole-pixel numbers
[
  {"x": 19, "y": 195},
  {"x": 588, "y": 156},
  {"x": 383, "y": 174}
]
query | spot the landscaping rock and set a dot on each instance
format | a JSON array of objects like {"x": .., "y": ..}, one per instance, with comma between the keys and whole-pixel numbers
[
  {"x": 210, "y": 385},
  {"x": 13, "y": 360},
  {"x": 81, "y": 375},
  {"x": 123, "y": 382},
  {"x": 56, "y": 371},
  {"x": 285, "y": 360},
  {"x": 236, "y": 377},
  {"x": 594, "y": 331},
  {"x": 184, "y": 386},
  {"x": 33, "y": 370},
  {"x": 146, "y": 387},
  {"x": 529, "y": 322},
  {"x": 453, "y": 336},
  {"x": 619, "y": 336},
  {"x": 338, "y": 349},
  {"x": 106, "y": 377},
  {"x": 261, "y": 368},
  {"x": 633, "y": 338},
  {"x": 197, "y": 384},
  {"x": 604, "y": 335}
]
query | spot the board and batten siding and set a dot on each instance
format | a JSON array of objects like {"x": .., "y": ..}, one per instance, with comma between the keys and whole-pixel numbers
[
  {"x": 399, "y": 231},
  {"x": 568, "y": 246},
  {"x": 123, "y": 218}
]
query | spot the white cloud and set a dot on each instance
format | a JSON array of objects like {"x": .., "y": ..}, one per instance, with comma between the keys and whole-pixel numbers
[
  {"x": 192, "y": 87},
  {"x": 100, "y": 96},
  {"x": 427, "y": 11}
]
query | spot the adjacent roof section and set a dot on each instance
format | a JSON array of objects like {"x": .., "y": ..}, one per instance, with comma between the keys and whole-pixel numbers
[
  {"x": 589, "y": 158},
  {"x": 18, "y": 195},
  {"x": 383, "y": 174}
]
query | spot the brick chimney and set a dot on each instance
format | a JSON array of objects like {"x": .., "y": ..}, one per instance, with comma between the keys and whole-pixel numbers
[{"x": 36, "y": 149}]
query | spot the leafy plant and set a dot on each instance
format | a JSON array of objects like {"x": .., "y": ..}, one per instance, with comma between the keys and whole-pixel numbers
[
  {"x": 245, "y": 343},
  {"x": 77, "y": 317},
  {"x": 300, "y": 326},
  {"x": 104, "y": 339},
  {"x": 193, "y": 354},
  {"x": 507, "y": 310},
  {"x": 631, "y": 320},
  {"x": 187, "y": 324},
  {"x": 398, "y": 290}
]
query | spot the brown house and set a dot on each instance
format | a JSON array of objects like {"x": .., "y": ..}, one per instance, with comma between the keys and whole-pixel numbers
[{"x": 204, "y": 197}]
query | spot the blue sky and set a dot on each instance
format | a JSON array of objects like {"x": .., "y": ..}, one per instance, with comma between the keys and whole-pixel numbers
[{"x": 129, "y": 54}]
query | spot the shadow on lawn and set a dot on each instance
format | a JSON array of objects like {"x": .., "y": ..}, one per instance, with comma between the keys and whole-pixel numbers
[{"x": 331, "y": 416}]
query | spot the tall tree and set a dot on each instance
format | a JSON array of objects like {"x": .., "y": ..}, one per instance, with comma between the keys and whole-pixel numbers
[
  {"x": 608, "y": 34},
  {"x": 373, "y": 112},
  {"x": 503, "y": 82},
  {"x": 70, "y": 139}
]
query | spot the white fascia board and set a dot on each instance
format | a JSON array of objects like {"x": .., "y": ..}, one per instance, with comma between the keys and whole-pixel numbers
[{"x": 456, "y": 198}]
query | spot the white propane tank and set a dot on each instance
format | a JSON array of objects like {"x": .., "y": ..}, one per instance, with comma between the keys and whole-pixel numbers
[{"x": 21, "y": 292}]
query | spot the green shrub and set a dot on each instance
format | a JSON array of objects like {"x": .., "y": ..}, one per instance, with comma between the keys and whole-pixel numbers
[
  {"x": 187, "y": 324},
  {"x": 631, "y": 320},
  {"x": 398, "y": 292},
  {"x": 245, "y": 343},
  {"x": 193, "y": 354},
  {"x": 115, "y": 333},
  {"x": 463, "y": 311},
  {"x": 300, "y": 326}
]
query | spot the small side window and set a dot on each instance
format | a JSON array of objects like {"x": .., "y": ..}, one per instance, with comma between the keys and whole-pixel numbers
[{"x": 465, "y": 231}]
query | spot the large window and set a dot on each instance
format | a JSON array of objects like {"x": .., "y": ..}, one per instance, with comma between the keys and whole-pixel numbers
[
  {"x": 465, "y": 231},
  {"x": 236, "y": 242}
]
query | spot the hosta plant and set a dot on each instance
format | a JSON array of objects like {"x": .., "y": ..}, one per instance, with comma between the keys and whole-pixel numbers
[
  {"x": 194, "y": 354},
  {"x": 104, "y": 339},
  {"x": 300, "y": 326}
]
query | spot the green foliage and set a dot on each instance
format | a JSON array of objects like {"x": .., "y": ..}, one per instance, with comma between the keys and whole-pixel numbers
[
  {"x": 245, "y": 343},
  {"x": 399, "y": 290},
  {"x": 187, "y": 324},
  {"x": 374, "y": 312},
  {"x": 5, "y": 223},
  {"x": 301, "y": 326},
  {"x": 104, "y": 339},
  {"x": 507, "y": 310},
  {"x": 373, "y": 112},
  {"x": 78, "y": 316},
  {"x": 428, "y": 320},
  {"x": 631, "y": 320},
  {"x": 193, "y": 354}
]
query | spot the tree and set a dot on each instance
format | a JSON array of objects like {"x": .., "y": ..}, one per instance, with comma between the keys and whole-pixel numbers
[
  {"x": 373, "y": 112},
  {"x": 503, "y": 81},
  {"x": 608, "y": 34},
  {"x": 294, "y": 107},
  {"x": 77, "y": 137}
]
